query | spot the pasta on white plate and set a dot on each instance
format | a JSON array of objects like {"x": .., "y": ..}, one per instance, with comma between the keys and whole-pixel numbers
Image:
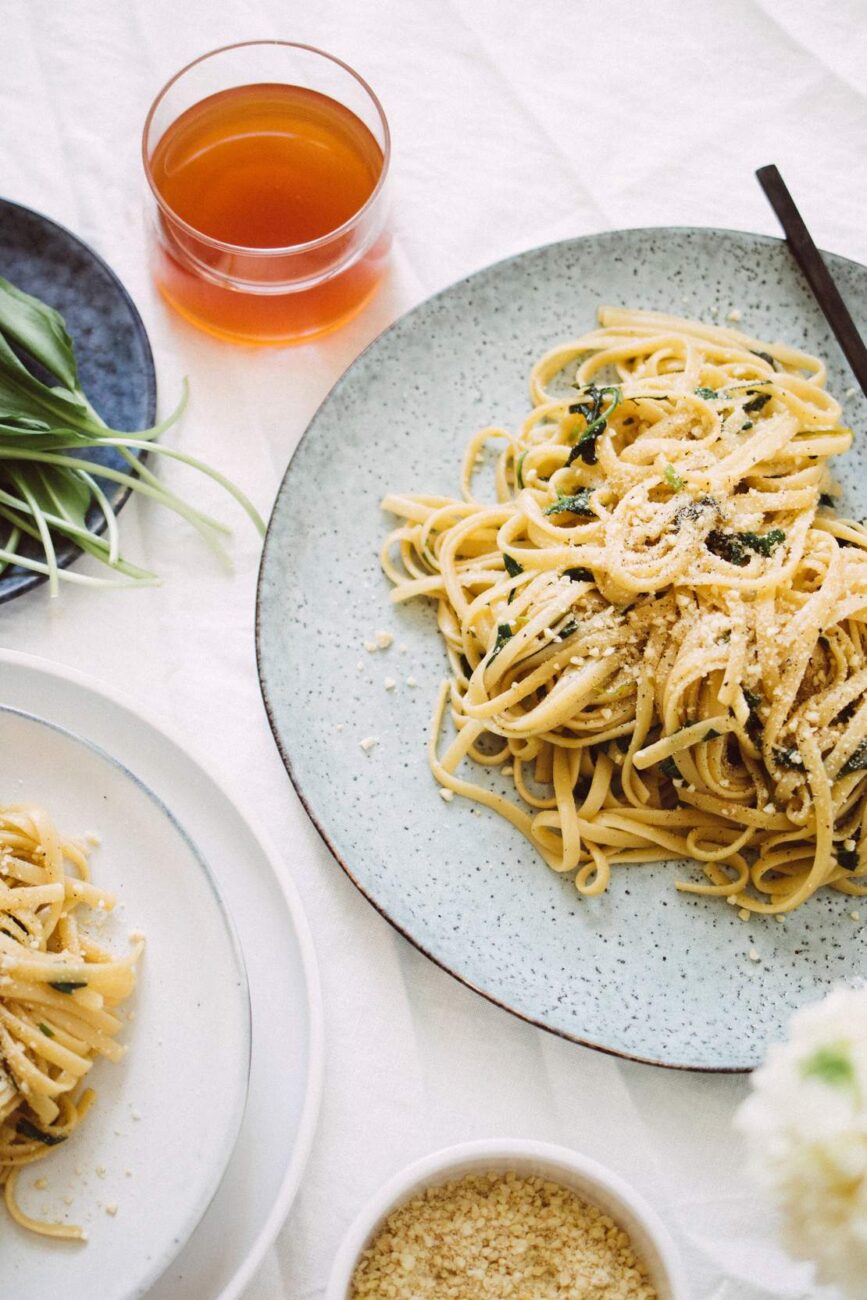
[
  {"x": 59, "y": 991},
  {"x": 658, "y": 630}
]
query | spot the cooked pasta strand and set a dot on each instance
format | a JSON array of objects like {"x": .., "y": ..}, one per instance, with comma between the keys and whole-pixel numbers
[
  {"x": 57, "y": 992},
  {"x": 660, "y": 626}
]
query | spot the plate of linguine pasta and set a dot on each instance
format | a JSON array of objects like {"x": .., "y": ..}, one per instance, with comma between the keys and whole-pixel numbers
[
  {"x": 119, "y": 1047},
  {"x": 565, "y": 592}
]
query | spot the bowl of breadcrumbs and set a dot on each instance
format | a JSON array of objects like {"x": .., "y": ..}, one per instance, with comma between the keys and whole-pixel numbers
[{"x": 507, "y": 1220}]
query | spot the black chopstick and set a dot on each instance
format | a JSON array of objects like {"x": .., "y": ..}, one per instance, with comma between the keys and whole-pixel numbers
[{"x": 810, "y": 260}]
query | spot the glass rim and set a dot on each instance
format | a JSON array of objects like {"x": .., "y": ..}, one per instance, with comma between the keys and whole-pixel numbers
[{"x": 285, "y": 249}]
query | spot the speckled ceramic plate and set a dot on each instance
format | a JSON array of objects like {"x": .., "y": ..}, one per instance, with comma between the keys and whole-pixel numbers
[
  {"x": 115, "y": 362},
  {"x": 643, "y": 971}
]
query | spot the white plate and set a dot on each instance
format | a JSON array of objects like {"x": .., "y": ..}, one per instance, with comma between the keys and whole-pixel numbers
[
  {"x": 157, "y": 1142},
  {"x": 286, "y": 1067}
]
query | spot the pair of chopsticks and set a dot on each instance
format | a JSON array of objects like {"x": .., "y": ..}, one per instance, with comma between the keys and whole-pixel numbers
[{"x": 811, "y": 262}]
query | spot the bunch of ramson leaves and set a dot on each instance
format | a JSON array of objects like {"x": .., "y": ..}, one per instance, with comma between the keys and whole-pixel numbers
[{"x": 49, "y": 484}]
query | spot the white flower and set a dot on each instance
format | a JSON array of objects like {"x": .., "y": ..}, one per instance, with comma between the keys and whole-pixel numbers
[{"x": 806, "y": 1122}]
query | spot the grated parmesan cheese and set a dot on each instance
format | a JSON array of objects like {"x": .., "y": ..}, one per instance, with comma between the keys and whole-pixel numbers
[{"x": 492, "y": 1236}]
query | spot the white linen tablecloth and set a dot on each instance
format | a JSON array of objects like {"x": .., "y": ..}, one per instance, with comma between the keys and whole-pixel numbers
[{"x": 514, "y": 124}]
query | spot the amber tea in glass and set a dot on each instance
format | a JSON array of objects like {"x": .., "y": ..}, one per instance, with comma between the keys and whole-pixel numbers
[{"x": 269, "y": 223}]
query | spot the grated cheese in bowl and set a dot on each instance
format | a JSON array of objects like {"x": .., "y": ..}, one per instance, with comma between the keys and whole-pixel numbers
[{"x": 493, "y": 1235}]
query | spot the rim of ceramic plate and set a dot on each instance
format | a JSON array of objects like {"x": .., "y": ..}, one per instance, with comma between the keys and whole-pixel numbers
[{"x": 243, "y": 1274}]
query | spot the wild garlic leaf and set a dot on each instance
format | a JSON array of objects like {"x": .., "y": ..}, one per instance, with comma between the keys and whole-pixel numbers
[
  {"x": 857, "y": 760},
  {"x": 504, "y": 634},
  {"x": 40, "y": 331},
  {"x": 47, "y": 488},
  {"x": 29, "y": 1130},
  {"x": 62, "y": 492},
  {"x": 577, "y": 504},
  {"x": 22, "y": 394}
]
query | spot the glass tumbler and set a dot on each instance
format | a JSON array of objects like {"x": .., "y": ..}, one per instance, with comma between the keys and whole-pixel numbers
[{"x": 267, "y": 218}]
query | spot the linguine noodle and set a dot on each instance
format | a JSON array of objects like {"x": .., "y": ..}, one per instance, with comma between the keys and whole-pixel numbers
[
  {"x": 659, "y": 629},
  {"x": 58, "y": 994}
]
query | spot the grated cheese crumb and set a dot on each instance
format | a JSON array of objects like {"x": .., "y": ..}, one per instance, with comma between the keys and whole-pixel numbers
[
  {"x": 735, "y": 314},
  {"x": 856, "y": 916},
  {"x": 384, "y": 639},
  {"x": 491, "y": 1236},
  {"x": 446, "y": 794},
  {"x": 410, "y": 681},
  {"x": 753, "y": 955},
  {"x": 370, "y": 647},
  {"x": 368, "y": 743},
  {"x": 389, "y": 683},
  {"x": 744, "y": 914}
]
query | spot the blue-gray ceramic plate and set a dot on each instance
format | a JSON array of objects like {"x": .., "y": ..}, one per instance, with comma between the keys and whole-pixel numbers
[
  {"x": 114, "y": 355},
  {"x": 642, "y": 971}
]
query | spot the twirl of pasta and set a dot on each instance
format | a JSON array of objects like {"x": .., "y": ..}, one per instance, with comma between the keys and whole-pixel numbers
[
  {"x": 660, "y": 627},
  {"x": 58, "y": 994}
]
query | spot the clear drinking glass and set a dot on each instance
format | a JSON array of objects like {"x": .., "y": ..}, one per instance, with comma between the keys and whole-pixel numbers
[{"x": 267, "y": 217}]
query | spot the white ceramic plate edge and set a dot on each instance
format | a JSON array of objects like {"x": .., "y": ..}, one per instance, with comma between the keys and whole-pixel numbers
[
  {"x": 185, "y": 1231},
  {"x": 244, "y": 1273}
]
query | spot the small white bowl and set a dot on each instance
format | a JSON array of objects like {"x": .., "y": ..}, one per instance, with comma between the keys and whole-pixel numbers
[{"x": 591, "y": 1181}]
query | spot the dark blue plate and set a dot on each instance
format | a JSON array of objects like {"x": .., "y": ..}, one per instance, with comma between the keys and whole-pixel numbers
[{"x": 114, "y": 356}]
